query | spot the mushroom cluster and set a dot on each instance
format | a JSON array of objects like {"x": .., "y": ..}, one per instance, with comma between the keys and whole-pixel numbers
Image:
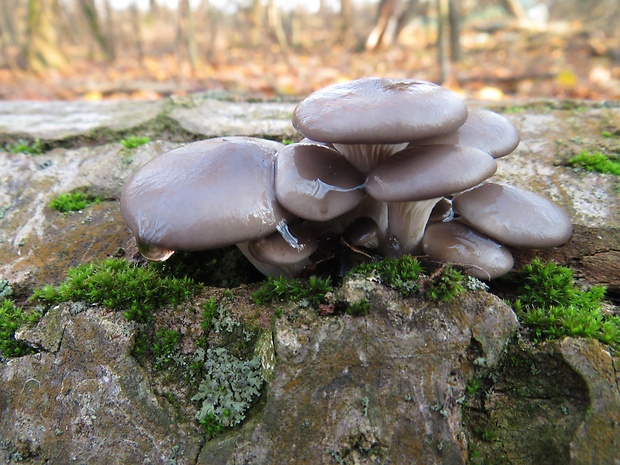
[{"x": 394, "y": 165}]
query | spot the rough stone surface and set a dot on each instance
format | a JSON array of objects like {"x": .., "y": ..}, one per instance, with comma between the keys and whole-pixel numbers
[
  {"x": 391, "y": 387},
  {"x": 386, "y": 388},
  {"x": 84, "y": 398}
]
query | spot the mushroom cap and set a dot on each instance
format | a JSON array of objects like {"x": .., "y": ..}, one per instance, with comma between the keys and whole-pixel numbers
[
  {"x": 423, "y": 173},
  {"x": 456, "y": 242},
  {"x": 204, "y": 195},
  {"x": 275, "y": 249},
  {"x": 379, "y": 111},
  {"x": 362, "y": 231},
  {"x": 514, "y": 216},
  {"x": 485, "y": 130},
  {"x": 316, "y": 182}
]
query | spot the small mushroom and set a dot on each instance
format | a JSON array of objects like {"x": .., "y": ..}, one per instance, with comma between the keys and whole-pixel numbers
[
  {"x": 485, "y": 130},
  {"x": 514, "y": 216},
  {"x": 316, "y": 182},
  {"x": 362, "y": 232},
  {"x": 370, "y": 119},
  {"x": 203, "y": 195},
  {"x": 414, "y": 180},
  {"x": 456, "y": 242},
  {"x": 287, "y": 251}
]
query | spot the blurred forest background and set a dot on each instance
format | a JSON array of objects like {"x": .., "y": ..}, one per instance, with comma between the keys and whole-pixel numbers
[{"x": 148, "y": 49}]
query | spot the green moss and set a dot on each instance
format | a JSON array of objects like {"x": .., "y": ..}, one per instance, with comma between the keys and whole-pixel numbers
[
  {"x": 34, "y": 147},
  {"x": 119, "y": 285},
  {"x": 399, "y": 274},
  {"x": 552, "y": 306},
  {"x": 596, "y": 161},
  {"x": 133, "y": 142},
  {"x": 11, "y": 319},
  {"x": 305, "y": 291},
  {"x": 360, "y": 308},
  {"x": 447, "y": 285},
  {"x": 73, "y": 201},
  {"x": 165, "y": 346}
]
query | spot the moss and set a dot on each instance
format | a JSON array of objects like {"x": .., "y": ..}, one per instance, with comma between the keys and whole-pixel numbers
[
  {"x": 133, "y": 142},
  {"x": 360, "y": 308},
  {"x": 11, "y": 319},
  {"x": 445, "y": 285},
  {"x": 165, "y": 346},
  {"x": 73, "y": 201},
  {"x": 399, "y": 274},
  {"x": 117, "y": 284},
  {"x": 549, "y": 303},
  {"x": 596, "y": 161},
  {"x": 33, "y": 147},
  {"x": 305, "y": 291}
]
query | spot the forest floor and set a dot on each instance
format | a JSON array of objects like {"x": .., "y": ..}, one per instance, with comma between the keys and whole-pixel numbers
[{"x": 505, "y": 63}]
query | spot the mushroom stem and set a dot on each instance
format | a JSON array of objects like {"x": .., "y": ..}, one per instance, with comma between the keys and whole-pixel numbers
[
  {"x": 365, "y": 157},
  {"x": 406, "y": 224}
]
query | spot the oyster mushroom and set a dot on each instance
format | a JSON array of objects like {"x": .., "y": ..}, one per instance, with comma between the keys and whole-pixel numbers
[
  {"x": 316, "y": 182},
  {"x": 456, "y": 242},
  {"x": 369, "y": 119},
  {"x": 514, "y": 216},
  {"x": 203, "y": 195},
  {"x": 287, "y": 252},
  {"x": 485, "y": 130},
  {"x": 414, "y": 180}
]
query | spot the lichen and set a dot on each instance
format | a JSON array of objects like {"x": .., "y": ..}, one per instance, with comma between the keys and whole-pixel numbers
[{"x": 227, "y": 389}]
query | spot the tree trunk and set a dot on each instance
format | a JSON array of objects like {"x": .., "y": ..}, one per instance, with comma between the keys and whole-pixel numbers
[
  {"x": 89, "y": 9},
  {"x": 346, "y": 21},
  {"x": 392, "y": 17},
  {"x": 275, "y": 22},
  {"x": 42, "y": 50},
  {"x": 515, "y": 8},
  {"x": 137, "y": 29},
  {"x": 186, "y": 41},
  {"x": 256, "y": 23},
  {"x": 454, "y": 19},
  {"x": 443, "y": 7}
]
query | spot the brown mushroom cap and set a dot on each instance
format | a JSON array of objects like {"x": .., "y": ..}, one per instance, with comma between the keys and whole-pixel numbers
[
  {"x": 458, "y": 243},
  {"x": 484, "y": 130},
  {"x": 421, "y": 173},
  {"x": 316, "y": 182},
  {"x": 204, "y": 195},
  {"x": 379, "y": 111},
  {"x": 514, "y": 216}
]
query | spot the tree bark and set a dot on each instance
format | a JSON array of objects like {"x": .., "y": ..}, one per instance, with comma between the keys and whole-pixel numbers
[
  {"x": 392, "y": 17},
  {"x": 42, "y": 51},
  {"x": 137, "y": 29},
  {"x": 89, "y": 9},
  {"x": 186, "y": 41},
  {"x": 346, "y": 20},
  {"x": 443, "y": 7},
  {"x": 275, "y": 22}
]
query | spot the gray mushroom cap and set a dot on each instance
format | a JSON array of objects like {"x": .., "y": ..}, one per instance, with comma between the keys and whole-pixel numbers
[
  {"x": 422, "y": 173},
  {"x": 379, "y": 111},
  {"x": 204, "y": 195},
  {"x": 316, "y": 182},
  {"x": 514, "y": 216},
  {"x": 275, "y": 249},
  {"x": 485, "y": 130},
  {"x": 458, "y": 243}
]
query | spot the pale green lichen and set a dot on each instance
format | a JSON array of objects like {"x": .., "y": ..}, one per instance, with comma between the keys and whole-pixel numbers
[{"x": 227, "y": 389}]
